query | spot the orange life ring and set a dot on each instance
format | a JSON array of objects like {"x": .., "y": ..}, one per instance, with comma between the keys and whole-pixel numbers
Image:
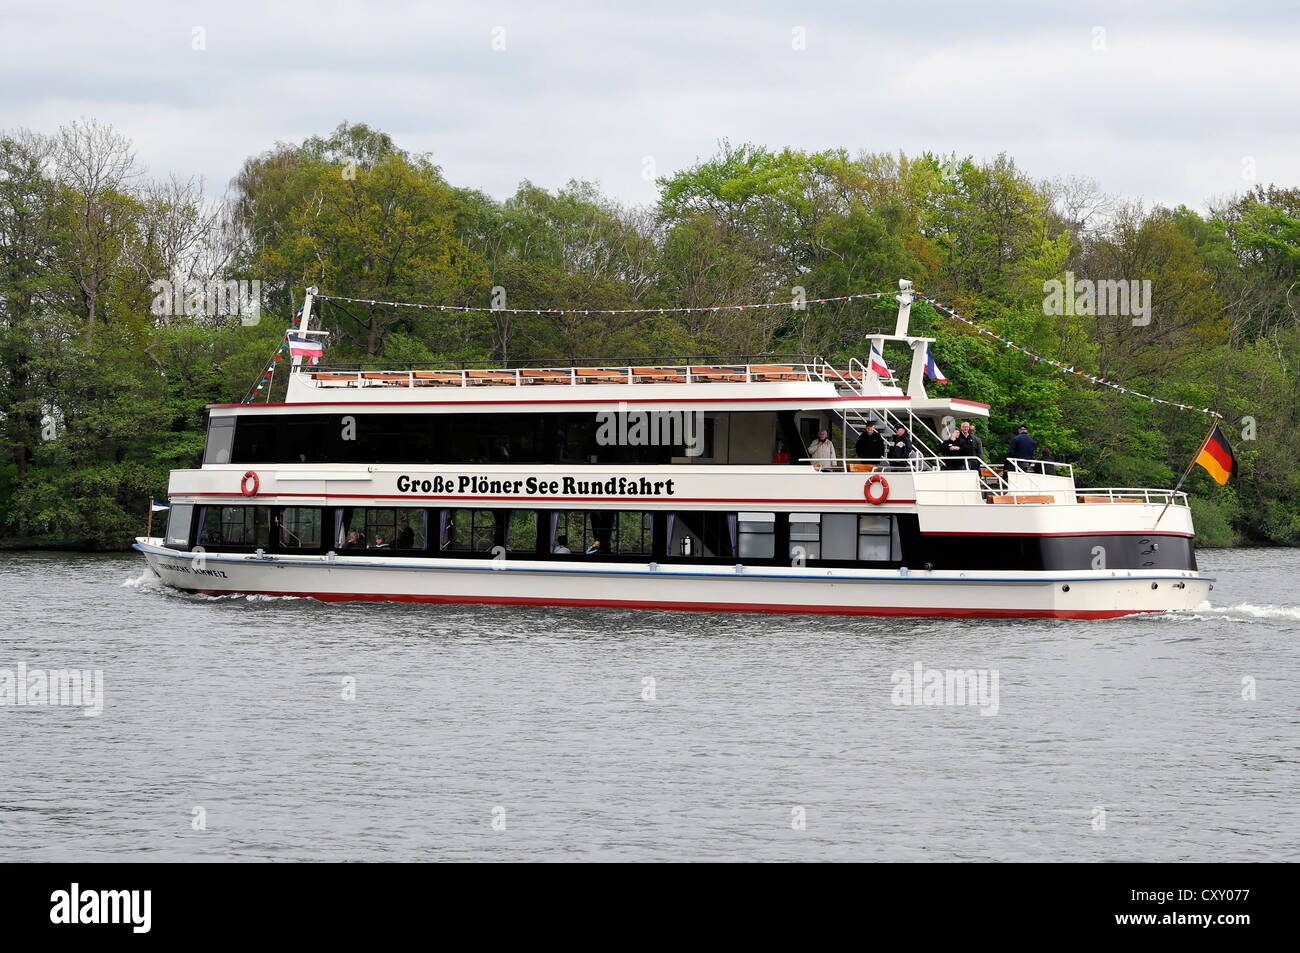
[
  {"x": 243, "y": 484},
  {"x": 872, "y": 480}
]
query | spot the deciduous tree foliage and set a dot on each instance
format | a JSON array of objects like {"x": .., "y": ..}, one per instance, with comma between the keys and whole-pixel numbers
[{"x": 100, "y": 397}]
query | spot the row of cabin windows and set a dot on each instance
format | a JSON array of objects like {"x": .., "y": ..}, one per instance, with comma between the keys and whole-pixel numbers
[
  {"x": 753, "y": 536},
  {"x": 547, "y": 438}
]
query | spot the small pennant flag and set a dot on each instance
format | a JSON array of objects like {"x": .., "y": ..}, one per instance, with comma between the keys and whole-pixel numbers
[
  {"x": 155, "y": 506},
  {"x": 932, "y": 369},
  {"x": 1216, "y": 456},
  {"x": 305, "y": 347},
  {"x": 878, "y": 363}
]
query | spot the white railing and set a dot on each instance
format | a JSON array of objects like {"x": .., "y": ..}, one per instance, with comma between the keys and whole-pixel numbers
[
  {"x": 620, "y": 374},
  {"x": 1111, "y": 494}
]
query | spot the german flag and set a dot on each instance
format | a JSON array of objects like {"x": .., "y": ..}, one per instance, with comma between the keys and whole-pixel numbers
[{"x": 1217, "y": 457}]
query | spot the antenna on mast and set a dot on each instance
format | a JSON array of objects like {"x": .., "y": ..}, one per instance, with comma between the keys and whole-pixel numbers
[
  {"x": 904, "y": 299},
  {"x": 305, "y": 324}
]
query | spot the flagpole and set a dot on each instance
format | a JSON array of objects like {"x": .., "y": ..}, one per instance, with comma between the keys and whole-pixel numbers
[
  {"x": 148, "y": 530},
  {"x": 1214, "y": 423}
]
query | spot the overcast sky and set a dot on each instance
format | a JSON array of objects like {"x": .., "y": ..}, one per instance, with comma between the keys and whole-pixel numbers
[{"x": 1173, "y": 102}]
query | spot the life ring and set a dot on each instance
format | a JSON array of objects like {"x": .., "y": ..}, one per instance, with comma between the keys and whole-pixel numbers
[
  {"x": 873, "y": 480},
  {"x": 243, "y": 484}
]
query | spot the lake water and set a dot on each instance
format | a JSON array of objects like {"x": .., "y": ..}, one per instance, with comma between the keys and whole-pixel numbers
[{"x": 519, "y": 733}]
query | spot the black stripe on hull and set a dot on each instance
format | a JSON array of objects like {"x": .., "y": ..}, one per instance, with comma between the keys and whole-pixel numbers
[{"x": 1045, "y": 553}]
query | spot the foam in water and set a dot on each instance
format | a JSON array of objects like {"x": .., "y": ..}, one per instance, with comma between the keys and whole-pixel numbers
[
  {"x": 146, "y": 580},
  {"x": 1256, "y": 612}
]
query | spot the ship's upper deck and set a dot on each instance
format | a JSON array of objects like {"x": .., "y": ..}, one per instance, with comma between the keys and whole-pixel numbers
[{"x": 806, "y": 381}]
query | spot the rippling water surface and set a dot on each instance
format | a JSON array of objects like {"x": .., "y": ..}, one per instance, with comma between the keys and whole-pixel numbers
[{"x": 469, "y": 720}]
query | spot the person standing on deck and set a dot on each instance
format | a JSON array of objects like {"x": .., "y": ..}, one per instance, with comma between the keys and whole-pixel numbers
[
  {"x": 871, "y": 445},
  {"x": 900, "y": 449},
  {"x": 976, "y": 442},
  {"x": 822, "y": 451},
  {"x": 1022, "y": 448},
  {"x": 957, "y": 447}
]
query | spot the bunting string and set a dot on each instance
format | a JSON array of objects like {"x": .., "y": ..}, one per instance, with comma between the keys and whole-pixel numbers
[
  {"x": 937, "y": 305},
  {"x": 1060, "y": 365},
  {"x": 793, "y": 303},
  {"x": 265, "y": 380}
]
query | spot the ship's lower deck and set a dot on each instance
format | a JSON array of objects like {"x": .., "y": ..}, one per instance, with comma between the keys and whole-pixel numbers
[{"x": 1081, "y": 594}]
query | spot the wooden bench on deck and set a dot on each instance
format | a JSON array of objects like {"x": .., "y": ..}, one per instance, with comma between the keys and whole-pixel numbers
[{"x": 661, "y": 375}]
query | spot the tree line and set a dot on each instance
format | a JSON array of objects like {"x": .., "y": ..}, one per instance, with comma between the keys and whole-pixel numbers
[{"x": 102, "y": 388}]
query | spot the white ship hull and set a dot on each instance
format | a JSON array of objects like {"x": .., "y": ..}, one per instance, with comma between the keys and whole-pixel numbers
[{"x": 1084, "y": 594}]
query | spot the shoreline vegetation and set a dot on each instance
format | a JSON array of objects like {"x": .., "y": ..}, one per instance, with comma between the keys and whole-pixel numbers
[{"x": 116, "y": 329}]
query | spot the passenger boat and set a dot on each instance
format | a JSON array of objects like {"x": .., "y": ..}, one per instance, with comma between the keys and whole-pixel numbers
[{"x": 651, "y": 485}]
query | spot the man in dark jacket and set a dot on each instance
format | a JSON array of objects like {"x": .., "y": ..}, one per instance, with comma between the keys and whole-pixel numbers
[
  {"x": 977, "y": 444},
  {"x": 1022, "y": 448},
  {"x": 870, "y": 445},
  {"x": 957, "y": 446},
  {"x": 900, "y": 449}
]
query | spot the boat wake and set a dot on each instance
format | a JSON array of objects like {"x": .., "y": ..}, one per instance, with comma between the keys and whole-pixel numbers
[{"x": 1243, "y": 612}]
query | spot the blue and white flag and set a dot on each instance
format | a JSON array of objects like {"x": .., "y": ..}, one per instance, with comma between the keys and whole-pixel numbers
[{"x": 155, "y": 506}]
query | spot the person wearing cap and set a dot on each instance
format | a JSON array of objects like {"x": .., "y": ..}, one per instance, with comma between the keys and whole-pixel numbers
[
  {"x": 900, "y": 448},
  {"x": 870, "y": 445},
  {"x": 1022, "y": 448}
]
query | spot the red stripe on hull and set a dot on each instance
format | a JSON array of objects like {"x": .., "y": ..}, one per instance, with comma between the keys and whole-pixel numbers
[{"x": 882, "y": 611}]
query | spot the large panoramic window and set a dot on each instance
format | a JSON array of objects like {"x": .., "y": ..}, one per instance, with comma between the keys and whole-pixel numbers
[
  {"x": 847, "y": 537},
  {"x": 394, "y": 528},
  {"x": 528, "y": 437},
  {"x": 236, "y": 526}
]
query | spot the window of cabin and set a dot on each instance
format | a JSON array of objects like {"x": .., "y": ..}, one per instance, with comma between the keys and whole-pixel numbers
[
  {"x": 805, "y": 536},
  {"x": 634, "y": 533},
  {"x": 236, "y": 526},
  {"x": 696, "y": 535},
  {"x": 757, "y": 533},
  {"x": 468, "y": 531},
  {"x": 300, "y": 527},
  {"x": 576, "y": 529},
  {"x": 179, "y": 519},
  {"x": 221, "y": 436},
  {"x": 521, "y": 531},
  {"x": 878, "y": 538}
]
